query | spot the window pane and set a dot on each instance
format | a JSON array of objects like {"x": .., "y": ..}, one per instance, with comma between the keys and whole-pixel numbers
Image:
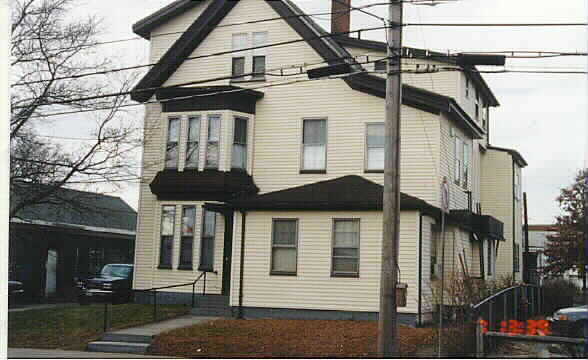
[
  {"x": 315, "y": 132},
  {"x": 238, "y": 66},
  {"x": 259, "y": 66},
  {"x": 346, "y": 234},
  {"x": 186, "y": 251},
  {"x": 207, "y": 254},
  {"x": 375, "y": 135},
  {"x": 212, "y": 155},
  {"x": 173, "y": 133},
  {"x": 239, "y": 41},
  {"x": 284, "y": 260},
  {"x": 239, "y": 158},
  {"x": 171, "y": 155},
  {"x": 188, "y": 220},
  {"x": 194, "y": 128},
  {"x": 345, "y": 252},
  {"x": 314, "y": 157},
  {"x": 259, "y": 39},
  {"x": 209, "y": 224},
  {"x": 345, "y": 265},
  {"x": 168, "y": 214},
  {"x": 240, "y": 135},
  {"x": 214, "y": 128},
  {"x": 375, "y": 158},
  {"x": 192, "y": 155},
  {"x": 284, "y": 232},
  {"x": 165, "y": 251}
]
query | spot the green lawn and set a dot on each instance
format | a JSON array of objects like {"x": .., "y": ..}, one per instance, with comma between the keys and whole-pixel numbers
[{"x": 73, "y": 326}]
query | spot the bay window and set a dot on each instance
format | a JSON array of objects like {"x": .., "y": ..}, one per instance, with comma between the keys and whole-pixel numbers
[
  {"x": 284, "y": 247},
  {"x": 314, "y": 145},
  {"x": 239, "y": 157},
  {"x": 173, "y": 137},
  {"x": 375, "y": 147},
  {"x": 213, "y": 142},
  {"x": 193, "y": 142},
  {"x": 168, "y": 213},
  {"x": 345, "y": 252}
]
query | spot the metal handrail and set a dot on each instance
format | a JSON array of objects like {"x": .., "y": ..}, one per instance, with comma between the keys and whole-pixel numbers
[{"x": 491, "y": 297}]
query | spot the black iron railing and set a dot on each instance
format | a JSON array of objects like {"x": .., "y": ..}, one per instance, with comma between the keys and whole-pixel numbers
[
  {"x": 154, "y": 292},
  {"x": 519, "y": 302}
]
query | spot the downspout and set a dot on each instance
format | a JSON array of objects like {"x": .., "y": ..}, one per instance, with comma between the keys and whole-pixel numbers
[
  {"x": 241, "y": 265},
  {"x": 420, "y": 282},
  {"x": 514, "y": 217}
]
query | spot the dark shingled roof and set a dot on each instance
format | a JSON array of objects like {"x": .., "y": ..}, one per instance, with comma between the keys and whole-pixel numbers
[
  {"x": 75, "y": 207},
  {"x": 350, "y": 192}
]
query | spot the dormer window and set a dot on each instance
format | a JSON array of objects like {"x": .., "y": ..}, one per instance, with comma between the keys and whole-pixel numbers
[
  {"x": 239, "y": 42},
  {"x": 254, "y": 59},
  {"x": 258, "y": 60}
]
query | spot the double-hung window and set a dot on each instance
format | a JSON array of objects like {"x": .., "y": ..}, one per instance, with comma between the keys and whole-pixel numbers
[
  {"x": 168, "y": 214},
  {"x": 173, "y": 137},
  {"x": 213, "y": 141},
  {"x": 375, "y": 147},
  {"x": 284, "y": 246},
  {"x": 314, "y": 145},
  {"x": 239, "y": 42},
  {"x": 466, "y": 164},
  {"x": 187, "y": 241},
  {"x": 239, "y": 158},
  {"x": 258, "y": 60},
  {"x": 345, "y": 248},
  {"x": 458, "y": 152},
  {"x": 193, "y": 142},
  {"x": 207, "y": 241}
]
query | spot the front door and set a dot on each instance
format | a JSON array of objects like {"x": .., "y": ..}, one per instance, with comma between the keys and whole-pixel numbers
[
  {"x": 51, "y": 273},
  {"x": 227, "y": 253}
]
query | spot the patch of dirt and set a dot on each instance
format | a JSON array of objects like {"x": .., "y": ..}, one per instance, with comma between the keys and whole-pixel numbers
[{"x": 296, "y": 338}]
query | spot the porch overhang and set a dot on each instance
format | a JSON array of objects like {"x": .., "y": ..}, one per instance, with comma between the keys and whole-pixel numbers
[
  {"x": 484, "y": 226},
  {"x": 178, "y": 99}
]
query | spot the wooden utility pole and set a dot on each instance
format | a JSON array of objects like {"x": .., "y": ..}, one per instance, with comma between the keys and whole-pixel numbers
[{"x": 387, "y": 321}]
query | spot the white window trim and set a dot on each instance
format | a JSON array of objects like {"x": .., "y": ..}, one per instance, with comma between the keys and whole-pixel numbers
[{"x": 301, "y": 157}]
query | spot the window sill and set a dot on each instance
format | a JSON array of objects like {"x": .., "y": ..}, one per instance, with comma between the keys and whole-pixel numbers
[
  {"x": 164, "y": 267},
  {"x": 313, "y": 171},
  {"x": 345, "y": 275},
  {"x": 373, "y": 171},
  {"x": 185, "y": 267},
  {"x": 274, "y": 273}
]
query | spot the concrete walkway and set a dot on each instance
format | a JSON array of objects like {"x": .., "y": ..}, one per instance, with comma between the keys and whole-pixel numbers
[
  {"x": 166, "y": 325},
  {"x": 23, "y": 353}
]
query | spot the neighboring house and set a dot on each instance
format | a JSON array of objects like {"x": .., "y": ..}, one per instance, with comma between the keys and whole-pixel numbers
[
  {"x": 537, "y": 244},
  {"x": 276, "y": 191},
  {"x": 70, "y": 234}
]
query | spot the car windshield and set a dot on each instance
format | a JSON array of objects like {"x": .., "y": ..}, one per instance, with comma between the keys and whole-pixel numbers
[{"x": 116, "y": 271}]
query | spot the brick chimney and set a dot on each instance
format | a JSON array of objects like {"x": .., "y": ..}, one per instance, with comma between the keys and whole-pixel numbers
[{"x": 341, "y": 16}]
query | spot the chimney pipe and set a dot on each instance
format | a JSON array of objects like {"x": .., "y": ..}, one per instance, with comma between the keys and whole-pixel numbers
[{"x": 341, "y": 16}]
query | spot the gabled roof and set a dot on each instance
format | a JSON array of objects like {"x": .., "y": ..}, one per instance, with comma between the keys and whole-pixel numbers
[
  {"x": 350, "y": 192},
  {"x": 409, "y": 52},
  {"x": 326, "y": 46},
  {"x": 73, "y": 207},
  {"x": 518, "y": 158},
  {"x": 144, "y": 26}
]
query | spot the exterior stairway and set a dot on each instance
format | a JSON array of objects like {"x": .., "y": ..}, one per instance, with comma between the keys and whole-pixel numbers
[
  {"x": 121, "y": 343},
  {"x": 212, "y": 305}
]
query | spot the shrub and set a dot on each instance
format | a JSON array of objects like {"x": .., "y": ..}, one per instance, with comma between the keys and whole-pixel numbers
[{"x": 557, "y": 294}]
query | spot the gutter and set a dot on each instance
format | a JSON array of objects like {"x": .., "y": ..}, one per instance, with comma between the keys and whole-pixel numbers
[{"x": 241, "y": 265}]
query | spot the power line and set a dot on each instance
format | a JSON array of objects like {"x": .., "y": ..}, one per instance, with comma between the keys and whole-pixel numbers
[
  {"x": 226, "y": 52},
  {"x": 494, "y": 24}
]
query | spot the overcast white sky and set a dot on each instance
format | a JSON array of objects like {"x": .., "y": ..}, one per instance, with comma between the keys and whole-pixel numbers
[{"x": 542, "y": 116}]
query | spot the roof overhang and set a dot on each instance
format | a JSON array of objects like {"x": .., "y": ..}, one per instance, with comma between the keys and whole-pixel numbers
[
  {"x": 144, "y": 26},
  {"x": 208, "y": 98},
  {"x": 517, "y": 157}
]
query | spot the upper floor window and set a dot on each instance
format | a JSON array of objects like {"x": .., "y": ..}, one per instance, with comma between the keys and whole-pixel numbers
[
  {"x": 213, "y": 141},
  {"x": 193, "y": 142},
  {"x": 517, "y": 184},
  {"x": 258, "y": 59},
  {"x": 239, "y": 158},
  {"x": 314, "y": 145},
  {"x": 375, "y": 146},
  {"x": 173, "y": 138},
  {"x": 345, "y": 248},
  {"x": 458, "y": 161},
  {"x": 168, "y": 214},
  {"x": 477, "y": 106},
  {"x": 284, "y": 246},
  {"x": 466, "y": 164},
  {"x": 239, "y": 41},
  {"x": 467, "y": 87},
  {"x": 485, "y": 116}
]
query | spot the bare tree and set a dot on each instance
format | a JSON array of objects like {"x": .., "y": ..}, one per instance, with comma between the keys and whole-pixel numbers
[{"x": 49, "y": 48}]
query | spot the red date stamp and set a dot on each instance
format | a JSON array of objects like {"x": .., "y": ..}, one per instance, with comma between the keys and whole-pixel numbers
[{"x": 516, "y": 327}]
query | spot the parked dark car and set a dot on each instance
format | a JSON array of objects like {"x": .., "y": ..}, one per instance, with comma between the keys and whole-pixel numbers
[
  {"x": 571, "y": 321},
  {"x": 15, "y": 291},
  {"x": 114, "y": 284}
]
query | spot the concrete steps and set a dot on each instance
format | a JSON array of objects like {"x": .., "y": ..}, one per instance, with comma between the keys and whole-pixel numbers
[
  {"x": 212, "y": 305},
  {"x": 121, "y": 343}
]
